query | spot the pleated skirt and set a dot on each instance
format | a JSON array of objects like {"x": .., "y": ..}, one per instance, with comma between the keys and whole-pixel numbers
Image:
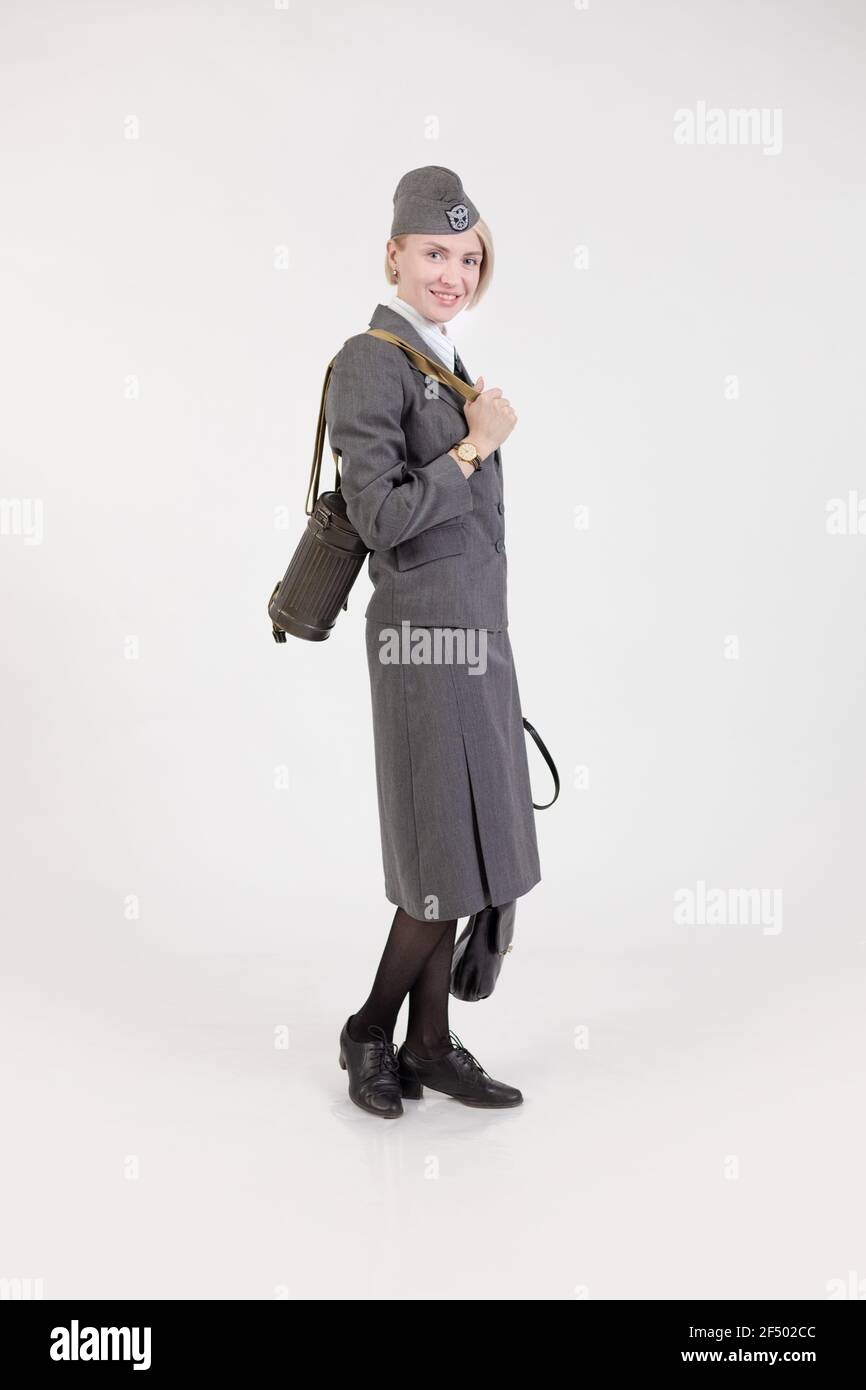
[{"x": 452, "y": 774}]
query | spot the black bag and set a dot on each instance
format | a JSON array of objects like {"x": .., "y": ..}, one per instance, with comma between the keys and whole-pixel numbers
[
  {"x": 327, "y": 560},
  {"x": 480, "y": 950},
  {"x": 488, "y": 936},
  {"x": 322, "y": 570}
]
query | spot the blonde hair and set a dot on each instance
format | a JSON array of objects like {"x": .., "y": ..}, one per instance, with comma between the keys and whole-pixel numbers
[{"x": 485, "y": 275}]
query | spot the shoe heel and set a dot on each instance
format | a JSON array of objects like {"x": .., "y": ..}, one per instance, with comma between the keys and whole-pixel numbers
[{"x": 410, "y": 1087}]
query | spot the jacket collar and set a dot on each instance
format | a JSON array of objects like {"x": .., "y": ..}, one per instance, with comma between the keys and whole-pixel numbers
[{"x": 395, "y": 323}]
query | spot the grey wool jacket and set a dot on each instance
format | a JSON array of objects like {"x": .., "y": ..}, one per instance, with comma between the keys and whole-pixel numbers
[{"x": 437, "y": 539}]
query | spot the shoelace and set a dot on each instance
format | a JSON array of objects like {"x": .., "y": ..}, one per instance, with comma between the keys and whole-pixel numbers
[
  {"x": 387, "y": 1055},
  {"x": 466, "y": 1056}
]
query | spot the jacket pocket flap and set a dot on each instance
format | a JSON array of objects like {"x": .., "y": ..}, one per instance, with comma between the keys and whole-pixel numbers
[{"x": 433, "y": 544}]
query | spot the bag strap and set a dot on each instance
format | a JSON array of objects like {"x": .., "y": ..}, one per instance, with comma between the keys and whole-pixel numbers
[
  {"x": 426, "y": 364},
  {"x": 316, "y": 470},
  {"x": 550, "y": 764}
]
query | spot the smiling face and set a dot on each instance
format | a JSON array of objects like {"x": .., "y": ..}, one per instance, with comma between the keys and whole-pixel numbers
[{"x": 438, "y": 274}]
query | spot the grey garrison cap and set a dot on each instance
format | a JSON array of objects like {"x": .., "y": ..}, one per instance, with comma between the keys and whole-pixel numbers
[{"x": 431, "y": 199}]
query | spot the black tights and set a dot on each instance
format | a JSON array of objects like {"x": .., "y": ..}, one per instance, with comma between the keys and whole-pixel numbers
[{"x": 416, "y": 961}]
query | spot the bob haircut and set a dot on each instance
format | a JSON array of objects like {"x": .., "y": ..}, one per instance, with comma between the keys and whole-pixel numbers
[{"x": 485, "y": 275}]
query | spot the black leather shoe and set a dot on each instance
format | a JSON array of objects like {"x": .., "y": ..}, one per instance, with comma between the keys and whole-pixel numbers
[
  {"x": 372, "y": 1066},
  {"x": 457, "y": 1074}
]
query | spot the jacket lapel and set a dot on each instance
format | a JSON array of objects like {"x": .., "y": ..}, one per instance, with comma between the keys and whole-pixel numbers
[{"x": 395, "y": 323}]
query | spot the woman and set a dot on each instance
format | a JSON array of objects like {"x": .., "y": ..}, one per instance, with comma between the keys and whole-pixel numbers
[{"x": 422, "y": 479}]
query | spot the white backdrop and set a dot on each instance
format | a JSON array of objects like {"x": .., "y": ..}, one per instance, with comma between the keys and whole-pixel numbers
[{"x": 196, "y": 203}]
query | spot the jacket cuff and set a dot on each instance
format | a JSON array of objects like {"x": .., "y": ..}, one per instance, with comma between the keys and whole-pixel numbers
[{"x": 445, "y": 472}]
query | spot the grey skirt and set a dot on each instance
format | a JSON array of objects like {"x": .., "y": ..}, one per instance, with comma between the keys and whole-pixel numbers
[{"x": 452, "y": 772}]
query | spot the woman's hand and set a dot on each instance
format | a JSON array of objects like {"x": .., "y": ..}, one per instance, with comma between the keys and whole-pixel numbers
[{"x": 490, "y": 418}]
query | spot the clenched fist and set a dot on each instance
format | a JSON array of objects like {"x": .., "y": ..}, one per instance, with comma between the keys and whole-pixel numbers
[{"x": 490, "y": 418}]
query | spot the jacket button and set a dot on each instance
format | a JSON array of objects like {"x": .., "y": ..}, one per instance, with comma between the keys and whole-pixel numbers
[
  {"x": 500, "y": 544},
  {"x": 500, "y": 506}
]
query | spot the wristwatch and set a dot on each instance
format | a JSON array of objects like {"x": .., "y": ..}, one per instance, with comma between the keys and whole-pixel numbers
[{"x": 468, "y": 453}]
